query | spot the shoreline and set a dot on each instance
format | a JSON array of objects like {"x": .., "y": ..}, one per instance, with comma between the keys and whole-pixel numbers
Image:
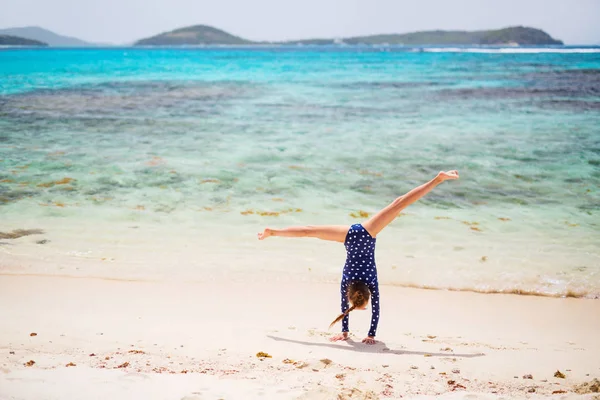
[
  {"x": 401, "y": 286},
  {"x": 214, "y": 331},
  {"x": 421, "y": 250}
]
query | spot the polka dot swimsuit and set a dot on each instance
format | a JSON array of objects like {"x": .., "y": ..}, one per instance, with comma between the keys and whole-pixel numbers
[{"x": 360, "y": 266}]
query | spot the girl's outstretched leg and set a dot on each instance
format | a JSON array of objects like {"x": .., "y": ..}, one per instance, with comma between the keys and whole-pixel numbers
[
  {"x": 335, "y": 233},
  {"x": 384, "y": 217}
]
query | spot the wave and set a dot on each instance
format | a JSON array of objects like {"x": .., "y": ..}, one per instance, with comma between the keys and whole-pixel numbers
[
  {"x": 578, "y": 294},
  {"x": 508, "y": 50}
]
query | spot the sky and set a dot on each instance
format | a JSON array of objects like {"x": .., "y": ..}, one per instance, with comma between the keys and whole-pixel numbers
[{"x": 124, "y": 21}]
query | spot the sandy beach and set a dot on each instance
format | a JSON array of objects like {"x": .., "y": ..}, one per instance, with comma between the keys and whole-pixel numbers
[{"x": 74, "y": 338}]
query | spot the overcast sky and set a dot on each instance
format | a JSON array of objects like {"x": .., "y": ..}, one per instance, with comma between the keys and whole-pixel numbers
[{"x": 123, "y": 21}]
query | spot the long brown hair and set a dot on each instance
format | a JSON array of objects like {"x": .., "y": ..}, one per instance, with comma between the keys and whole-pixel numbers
[{"x": 358, "y": 296}]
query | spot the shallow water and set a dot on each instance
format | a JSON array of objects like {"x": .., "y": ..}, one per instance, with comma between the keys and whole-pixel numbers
[{"x": 185, "y": 141}]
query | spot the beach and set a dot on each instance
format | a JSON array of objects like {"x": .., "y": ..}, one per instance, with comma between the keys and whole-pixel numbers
[
  {"x": 134, "y": 181},
  {"x": 98, "y": 338}
]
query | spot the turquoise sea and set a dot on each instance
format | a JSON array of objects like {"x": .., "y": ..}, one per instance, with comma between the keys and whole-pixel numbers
[{"x": 216, "y": 143}]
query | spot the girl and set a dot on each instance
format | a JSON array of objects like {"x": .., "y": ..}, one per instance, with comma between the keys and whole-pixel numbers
[{"x": 359, "y": 278}]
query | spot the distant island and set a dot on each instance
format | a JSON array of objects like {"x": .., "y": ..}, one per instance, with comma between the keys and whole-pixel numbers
[
  {"x": 45, "y": 36},
  {"x": 192, "y": 35},
  {"x": 508, "y": 36},
  {"x": 198, "y": 35},
  {"x": 207, "y": 35},
  {"x": 8, "y": 40}
]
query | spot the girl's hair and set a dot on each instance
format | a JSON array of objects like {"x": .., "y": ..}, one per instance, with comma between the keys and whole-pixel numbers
[{"x": 358, "y": 296}]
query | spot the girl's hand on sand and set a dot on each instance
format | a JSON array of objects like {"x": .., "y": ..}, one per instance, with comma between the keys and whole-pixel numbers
[
  {"x": 369, "y": 340},
  {"x": 339, "y": 336},
  {"x": 265, "y": 234},
  {"x": 448, "y": 175}
]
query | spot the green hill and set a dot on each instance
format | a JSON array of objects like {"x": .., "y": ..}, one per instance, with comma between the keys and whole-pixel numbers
[
  {"x": 45, "y": 36},
  {"x": 8, "y": 40},
  {"x": 514, "y": 35},
  {"x": 193, "y": 35},
  {"x": 520, "y": 35},
  {"x": 206, "y": 35}
]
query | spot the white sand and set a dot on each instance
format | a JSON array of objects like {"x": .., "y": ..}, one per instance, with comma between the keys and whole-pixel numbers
[{"x": 428, "y": 338}]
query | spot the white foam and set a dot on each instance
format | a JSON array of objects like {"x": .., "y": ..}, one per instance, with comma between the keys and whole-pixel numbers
[{"x": 509, "y": 50}]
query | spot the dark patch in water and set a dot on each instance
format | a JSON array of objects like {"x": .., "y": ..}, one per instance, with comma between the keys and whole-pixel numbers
[
  {"x": 525, "y": 159},
  {"x": 13, "y": 195},
  {"x": 580, "y": 105},
  {"x": 575, "y": 180},
  {"x": 323, "y": 107},
  {"x": 594, "y": 206},
  {"x": 575, "y": 81},
  {"x": 524, "y": 178},
  {"x": 494, "y": 93},
  {"x": 332, "y": 113},
  {"x": 384, "y": 85},
  {"x": 17, "y": 233},
  {"x": 126, "y": 100},
  {"x": 565, "y": 89},
  {"x": 97, "y": 191}
]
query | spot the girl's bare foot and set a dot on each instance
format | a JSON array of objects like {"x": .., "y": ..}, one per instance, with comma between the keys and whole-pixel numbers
[
  {"x": 447, "y": 175},
  {"x": 265, "y": 234},
  {"x": 339, "y": 336},
  {"x": 369, "y": 340}
]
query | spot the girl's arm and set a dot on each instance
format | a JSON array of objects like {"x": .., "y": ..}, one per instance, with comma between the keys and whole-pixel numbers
[
  {"x": 336, "y": 233},
  {"x": 374, "y": 288}
]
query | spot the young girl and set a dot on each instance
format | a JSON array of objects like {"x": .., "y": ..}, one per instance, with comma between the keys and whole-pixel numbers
[{"x": 359, "y": 278}]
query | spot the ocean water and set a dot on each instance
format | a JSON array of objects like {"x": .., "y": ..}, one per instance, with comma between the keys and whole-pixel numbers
[{"x": 164, "y": 163}]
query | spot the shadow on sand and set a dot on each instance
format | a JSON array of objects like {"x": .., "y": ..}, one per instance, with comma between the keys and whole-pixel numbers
[{"x": 379, "y": 347}]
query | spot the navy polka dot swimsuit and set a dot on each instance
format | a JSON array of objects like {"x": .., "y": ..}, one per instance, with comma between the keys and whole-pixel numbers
[{"x": 360, "y": 266}]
